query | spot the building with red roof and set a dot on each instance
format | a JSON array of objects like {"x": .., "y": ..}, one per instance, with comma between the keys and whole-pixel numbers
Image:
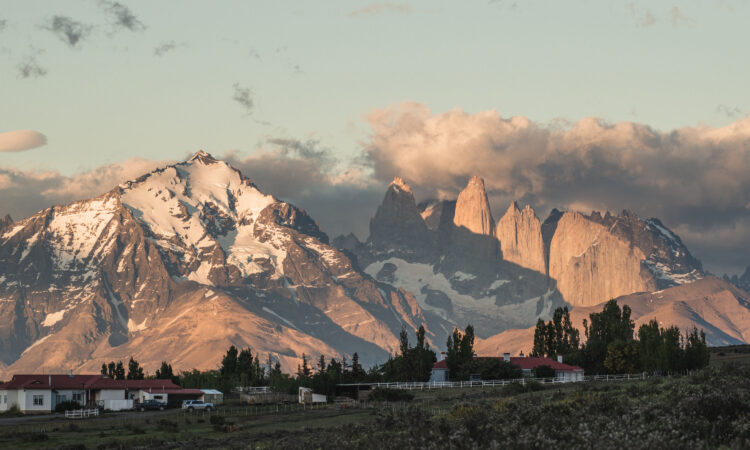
[
  {"x": 527, "y": 364},
  {"x": 42, "y": 393}
]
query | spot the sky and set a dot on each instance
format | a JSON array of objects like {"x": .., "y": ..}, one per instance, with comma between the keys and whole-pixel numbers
[{"x": 576, "y": 104}]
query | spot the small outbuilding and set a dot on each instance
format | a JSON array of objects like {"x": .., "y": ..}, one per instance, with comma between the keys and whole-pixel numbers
[{"x": 213, "y": 396}]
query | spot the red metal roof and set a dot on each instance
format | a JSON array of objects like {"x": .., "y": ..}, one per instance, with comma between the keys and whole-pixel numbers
[
  {"x": 50, "y": 381},
  {"x": 524, "y": 362},
  {"x": 85, "y": 382}
]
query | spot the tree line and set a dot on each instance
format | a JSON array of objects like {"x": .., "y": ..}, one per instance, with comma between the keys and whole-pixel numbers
[{"x": 612, "y": 346}]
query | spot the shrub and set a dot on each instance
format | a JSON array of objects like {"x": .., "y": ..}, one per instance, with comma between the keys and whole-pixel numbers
[
  {"x": 168, "y": 426},
  {"x": 67, "y": 406},
  {"x": 391, "y": 395},
  {"x": 216, "y": 420},
  {"x": 544, "y": 371}
]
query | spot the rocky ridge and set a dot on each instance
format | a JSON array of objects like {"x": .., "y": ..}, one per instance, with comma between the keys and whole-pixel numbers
[
  {"x": 465, "y": 268},
  {"x": 179, "y": 264}
]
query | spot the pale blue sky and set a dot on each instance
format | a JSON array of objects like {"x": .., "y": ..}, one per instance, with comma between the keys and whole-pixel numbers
[{"x": 320, "y": 69}]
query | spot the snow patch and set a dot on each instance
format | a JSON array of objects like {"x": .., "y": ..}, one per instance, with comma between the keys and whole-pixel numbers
[
  {"x": 268, "y": 310},
  {"x": 37, "y": 342},
  {"x": 133, "y": 327},
  {"x": 461, "y": 276},
  {"x": 53, "y": 318}
]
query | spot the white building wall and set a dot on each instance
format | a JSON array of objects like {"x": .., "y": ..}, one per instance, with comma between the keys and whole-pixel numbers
[
  {"x": 158, "y": 396},
  {"x": 5, "y": 403},
  {"x": 28, "y": 400},
  {"x": 439, "y": 375},
  {"x": 109, "y": 394}
]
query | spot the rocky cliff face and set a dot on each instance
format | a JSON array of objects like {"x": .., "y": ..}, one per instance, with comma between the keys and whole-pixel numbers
[
  {"x": 463, "y": 269},
  {"x": 194, "y": 254},
  {"x": 595, "y": 258},
  {"x": 398, "y": 226},
  {"x": 742, "y": 281},
  {"x": 520, "y": 235},
  {"x": 473, "y": 209}
]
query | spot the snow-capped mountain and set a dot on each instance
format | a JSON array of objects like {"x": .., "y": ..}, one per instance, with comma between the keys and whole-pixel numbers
[
  {"x": 465, "y": 267},
  {"x": 179, "y": 264}
]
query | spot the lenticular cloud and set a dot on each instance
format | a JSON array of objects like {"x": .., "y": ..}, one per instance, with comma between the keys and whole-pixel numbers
[{"x": 21, "y": 140}]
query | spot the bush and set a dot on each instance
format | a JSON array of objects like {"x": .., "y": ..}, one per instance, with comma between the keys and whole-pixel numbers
[
  {"x": 31, "y": 436},
  {"x": 168, "y": 426},
  {"x": 391, "y": 395},
  {"x": 216, "y": 420},
  {"x": 67, "y": 406},
  {"x": 544, "y": 372}
]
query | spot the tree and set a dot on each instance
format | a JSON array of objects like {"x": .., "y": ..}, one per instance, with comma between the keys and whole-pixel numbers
[
  {"x": 165, "y": 372},
  {"x": 111, "y": 369},
  {"x": 696, "y": 351},
  {"x": 622, "y": 357},
  {"x": 104, "y": 369},
  {"x": 357, "y": 371},
  {"x": 610, "y": 325},
  {"x": 495, "y": 369},
  {"x": 245, "y": 369},
  {"x": 304, "y": 371},
  {"x": 322, "y": 364},
  {"x": 119, "y": 371},
  {"x": 460, "y": 353},
  {"x": 135, "y": 371},
  {"x": 556, "y": 337},
  {"x": 228, "y": 367}
]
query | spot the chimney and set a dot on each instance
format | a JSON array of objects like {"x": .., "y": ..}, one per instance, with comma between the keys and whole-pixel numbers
[
  {"x": 559, "y": 359},
  {"x": 71, "y": 374},
  {"x": 443, "y": 355},
  {"x": 50, "y": 380},
  {"x": 521, "y": 355},
  {"x": 506, "y": 357}
]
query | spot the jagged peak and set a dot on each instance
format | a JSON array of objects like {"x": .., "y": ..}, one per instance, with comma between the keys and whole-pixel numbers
[
  {"x": 400, "y": 184},
  {"x": 202, "y": 156},
  {"x": 513, "y": 208},
  {"x": 475, "y": 182}
]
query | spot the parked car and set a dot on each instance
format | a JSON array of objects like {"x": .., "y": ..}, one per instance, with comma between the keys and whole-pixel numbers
[
  {"x": 192, "y": 405},
  {"x": 150, "y": 404}
]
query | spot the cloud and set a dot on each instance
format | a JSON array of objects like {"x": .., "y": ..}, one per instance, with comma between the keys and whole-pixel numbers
[
  {"x": 384, "y": 7},
  {"x": 29, "y": 68},
  {"x": 341, "y": 197},
  {"x": 21, "y": 140},
  {"x": 68, "y": 30},
  {"x": 24, "y": 193},
  {"x": 3, "y": 24},
  {"x": 122, "y": 16},
  {"x": 732, "y": 112},
  {"x": 694, "y": 178},
  {"x": 243, "y": 97},
  {"x": 166, "y": 47}
]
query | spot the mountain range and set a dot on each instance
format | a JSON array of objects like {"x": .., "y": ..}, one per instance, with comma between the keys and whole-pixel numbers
[{"x": 186, "y": 260}]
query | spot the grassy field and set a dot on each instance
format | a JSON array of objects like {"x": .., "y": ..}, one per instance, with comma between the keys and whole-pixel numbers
[
  {"x": 736, "y": 354},
  {"x": 708, "y": 409}
]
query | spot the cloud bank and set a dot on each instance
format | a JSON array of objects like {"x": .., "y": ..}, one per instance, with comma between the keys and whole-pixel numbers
[
  {"x": 21, "y": 140},
  {"x": 697, "y": 179}
]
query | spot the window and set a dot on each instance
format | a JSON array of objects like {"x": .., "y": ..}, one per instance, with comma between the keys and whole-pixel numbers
[
  {"x": 77, "y": 397},
  {"x": 158, "y": 397},
  {"x": 38, "y": 400}
]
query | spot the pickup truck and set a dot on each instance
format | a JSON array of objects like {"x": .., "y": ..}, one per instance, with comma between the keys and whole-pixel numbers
[
  {"x": 192, "y": 405},
  {"x": 150, "y": 404}
]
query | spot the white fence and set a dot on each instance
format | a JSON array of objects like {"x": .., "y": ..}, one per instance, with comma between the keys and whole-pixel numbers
[
  {"x": 81, "y": 413},
  {"x": 489, "y": 383}
]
